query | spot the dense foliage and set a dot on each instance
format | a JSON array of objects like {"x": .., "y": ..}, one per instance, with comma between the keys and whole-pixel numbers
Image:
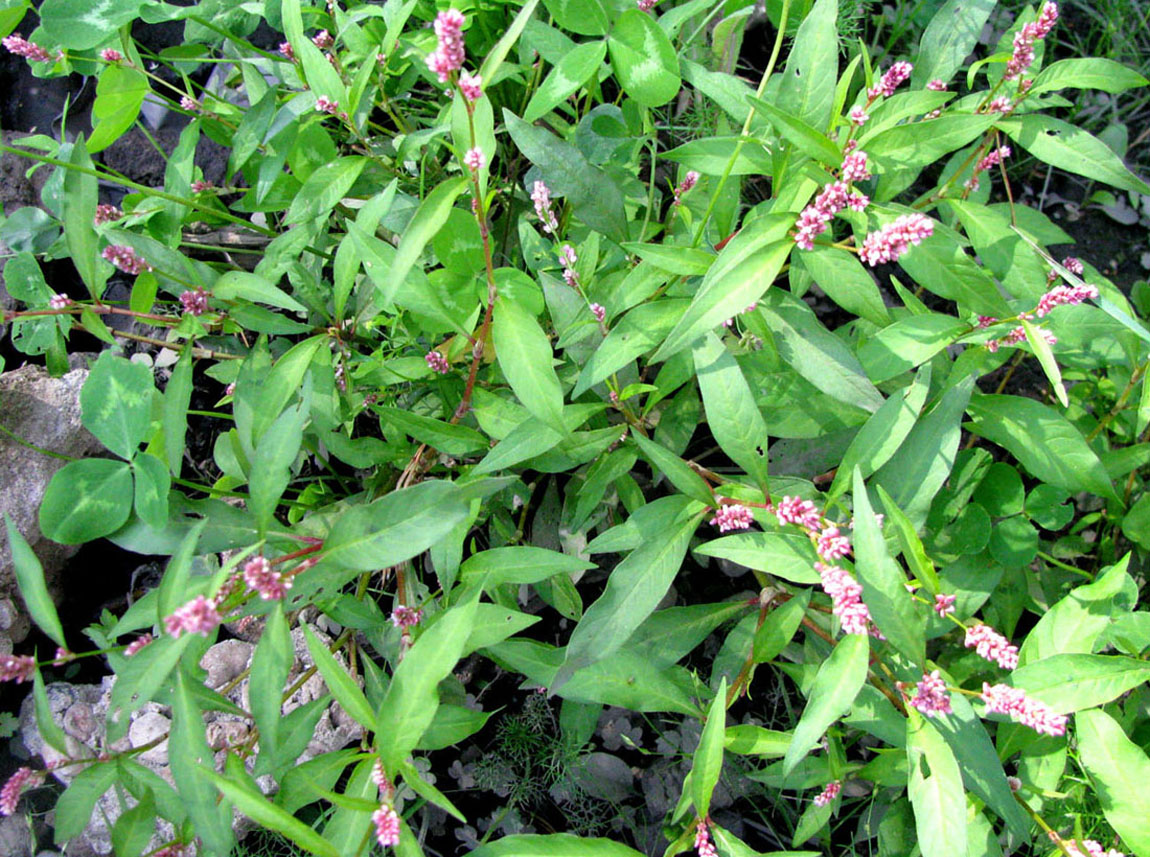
[{"x": 527, "y": 350}]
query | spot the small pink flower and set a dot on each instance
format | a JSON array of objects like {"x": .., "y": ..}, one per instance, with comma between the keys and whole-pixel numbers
[
  {"x": 1002, "y": 104},
  {"x": 230, "y": 390},
  {"x": 1004, "y": 699},
  {"x": 437, "y": 362},
  {"x": 20, "y": 46},
  {"x": 599, "y": 311},
  {"x": 795, "y": 510},
  {"x": 190, "y": 104},
  {"x": 858, "y": 116},
  {"x": 450, "y": 52},
  {"x": 937, "y": 85},
  {"x": 985, "y": 321},
  {"x": 688, "y": 182},
  {"x": 404, "y": 616},
  {"x": 541, "y": 196},
  {"x": 474, "y": 159},
  {"x": 471, "y": 86},
  {"x": 568, "y": 258},
  {"x": 732, "y": 516},
  {"x": 386, "y": 825},
  {"x": 854, "y": 168},
  {"x": 1074, "y": 265},
  {"x": 894, "y": 239},
  {"x": 287, "y": 51},
  {"x": 829, "y": 793},
  {"x": 832, "y": 544},
  {"x": 1065, "y": 296},
  {"x": 1092, "y": 848},
  {"x": 261, "y": 577},
  {"x": 106, "y": 214},
  {"x": 943, "y": 604},
  {"x": 111, "y": 55},
  {"x": 890, "y": 81},
  {"x": 323, "y": 40},
  {"x": 59, "y": 302},
  {"x": 199, "y": 186},
  {"x": 846, "y": 597},
  {"x": 137, "y": 644},
  {"x": 646, "y": 5},
  {"x": 198, "y": 616},
  {"x": 63, "y": 656},
  {"x": 379, "y": 777},
  {"x": 323, "y": 104},
  {"x": 194, "y": 301},
  {"x": 992, "y": 645},
  {"x": 931, "y": 696},
  {"x": 125, "y": 258},
  {"x": 17, "y": 668},
  {"x": 24, "y": 778},
  {"x": 703, "y": 844}
]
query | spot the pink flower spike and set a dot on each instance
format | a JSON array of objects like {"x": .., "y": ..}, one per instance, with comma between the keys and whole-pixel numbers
[
  {"x": 323, "y": 104},
  {"x": 896, "y": 238},
  {"x": 890, "y": 81},
  {"x": 111, "y": 55},
  {"x": 703, "y": 844},
  {"x": 198, "y": 616},
  {"x": 599, "y": 311},
  {"x": 1004, "y": 699},
  {"x": 24, "y": 778},
  {"x": 688, "y": 182},
  {"x": 794, "y": 510},
  {"x": 937, "y": 85},
  {"x": 992, "y": 645},
  {"x": 137, "y": 644},
  {"x": 832, "y": 544},
  {"x": 829, "y": 793},
  {"x": 125, "y": 258},
  {"x": 846, "y": 597},
  {"x": 1002, "y": 104},
  {"x": 17, "y": 668},
  {"x": 471, "y": 86},
  {"x": 287, "y": 51},
  {"x": 985, "y": 321},
  {"x": 646, "y": 5},
  {"x": 261, "y": 577},
  {"x": 854, "y": 168},
  {"x": 931, "y": 696},
  {"x": 405, "y": 617},
  {"x": 379, "y": 777},
  {"x": 732, "y": 516},
  {"x": 59, "y": 302},
  {"x": 386, "y": 826},
  {"x": 449, "y": 54},
  {"x": 1065, "y": 296},
  {"x": 541, "y": 196},
  {"x": 1074, "y": 265},
  {"x": 106, "y": 214},
  {"x": 943, "y": 604},
  {"x": 20, "y": 46},
  {"x": 474, "y": 159},
  {"x": 323, "y": 40},
  {"x": 194, "y": 301},
  {"x": 190, "y": 104},
  {"x": 437, "y": 362}
]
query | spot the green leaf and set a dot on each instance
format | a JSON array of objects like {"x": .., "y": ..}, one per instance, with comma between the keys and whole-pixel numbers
[
  {"x": 1044, "y": 441},
  {"x": 644, "y": 59},
  {"x": 677, "y": 471},
  {"x": 237, "y": 786},
  {"x": 746, "y": 156},
  {"x": 152, "y": 484},
  {"x": 884, "y": 583},
  {"x": 907, "y": 343},
  {"x": 525, "y": 356},
  {"x": 634, "y": 589},
  {"x": 497, "y": 54},
  {"x": 120, "y": 92},
  {"x": 783, "y": 554},
  {"x": 518, "y": 564},
  {"x": 413, "y": 779},
  {"x": 807, "y": 89},
  {"x": 806, "y": 139},
  {"x": 190, "y": 760},
  {"x": 399, "y": 526},
  {"x": 935, "y": 790},
  {"x": 177, "y": 397},
  {"x": 779, "y": 627},
  {"x": 252, "y": 287},
  {"x": 883, "y": 433},
  {"x": 743, "y": 271},
  {"x": 428, "y": 220},
  {"x": 949, "y": 38},
  {"x": 135, "y": 828},
  {"x": 1068, "y": 147},
  {"x": 33, "y": 589},
  {"x": 553, "y": 845},
  {"x": 79, "y": 25},
  {"x": 452, "y": 724},
  {"x": 732, "y": 415},
  {"x": 839, "y": 679},
  {"x": 1119, "y": 770},
  {"x": 640, "y": 330},
  {"x": 1087, "y": 73},
  {"x": 271, "y": 664},
  {"x": 595, "y": 197},
  {"x": 940, "y": 265},
  {"x": 910, "y": 544},
  {"x": 85, "y": 500},
  {"x": 116, "y": 402},
  {"x": 412, "y": 697},
  {"x": 271, "y": 466},
  {"x": 324, "y": 188},
  {"x": 565, "y": 79},
  {"x": 46, "y": 724},
  {"x": 912, "y": 146},
  {"x": 342, "y": 686},
  {"x": 842, "y": 276},
  {"x": 587, "y": 18},
  {"x": 75, "y": 806},
  {"x": 1071, "y": 682},
  {"x": 707, "y": 764},
  {"x": 750, "y": 740},
  {"x": 1045, "y": 357},
  {"x": 444, "y": 436}
]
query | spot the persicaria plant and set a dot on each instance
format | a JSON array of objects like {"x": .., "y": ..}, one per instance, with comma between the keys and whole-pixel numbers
[{"x": 615, "y": 456}]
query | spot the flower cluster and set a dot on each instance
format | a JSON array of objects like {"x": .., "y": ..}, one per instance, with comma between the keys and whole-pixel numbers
[
  {"x": 541, "y": 196},
  {"x": 323, "y": 104},
  {"x": 471, "y": 86},
  {"x": 20, "y": 46},
  {"x": 931, "y": 696},
  {"x": 1091, "y": 848},
  {"x": 474, "y": 159},
  {"x": 1019, "y": 335},
  {"x": 568, "y": 258},
  {"x": 733, "y": 516},
  {"x": 404, "y": 616},
  {"x": 937, "y": 85},
  {"x": 1065, "y": 296},
  {"x": 194, "y": 301},
  {"x": 832, "y": 544},
  {"x": 386, "y": 825},
  {"x": 1025, "y": 38},
  {"x": 323, "y": 40},
  {"x": 703, "y": 844},
  {"x": 106, "y": 214},
  {"x": 125, "y": 258},
  {"x": 992, "y": 159},
  {"x": 943, "y": 604},
  {"x": 599, "y": 311},
  {"x": 24, "y": 778},
  {"x": 287, "y": 50},
  {"x": 688, "y": 182},
  {"x": 833, "y": 198},
  {"x": 646, "y": 5},
  {"x": 437, "y": 362},
  {"x": 198, "y": 616},
  {"x": 795, "y": 510},
  {"x": 449, "y": 53},
  {"x": 992, "y": 645},
  {"x": 1004, "y": 699},
  {"x": 111, "y": 55},
  {"x": 891, "y": 80},
  {"x": 59, "y": 302},
  {"x": 854, "y": 168},
  {"x": 846, "y": 598},
  {"x": 1074, "y": 265},
  {"x": 894, "y": 239},
  {"x": 17, "y": 668},
  {"x": 269, "y": 583},
  {"x": 829, "y": 793},
  {"x": 137, "y": 644},
  {"x": 858, "y": 116},
  {"x": 1002, "y": 104}
]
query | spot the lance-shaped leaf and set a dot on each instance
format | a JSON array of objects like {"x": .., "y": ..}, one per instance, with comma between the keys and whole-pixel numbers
[
  {"x": 33, "y": 589},
  {"x": 1071, "y": 682},
  {"x": 935, "y": 790},
  {"x": 1119, "y": 770},
  {"x": 707, "y": 763},
  {"x": 525, "y": 355},
  {"x": 553, "y": 845},
  {"x": 836, "y": 685},
  {"x": 429, "y": 219}
]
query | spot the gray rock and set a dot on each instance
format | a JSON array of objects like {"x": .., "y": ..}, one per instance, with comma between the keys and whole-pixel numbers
[
  {"x": 45, "y": 411},
  {"x": 16, "y": 836}
]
